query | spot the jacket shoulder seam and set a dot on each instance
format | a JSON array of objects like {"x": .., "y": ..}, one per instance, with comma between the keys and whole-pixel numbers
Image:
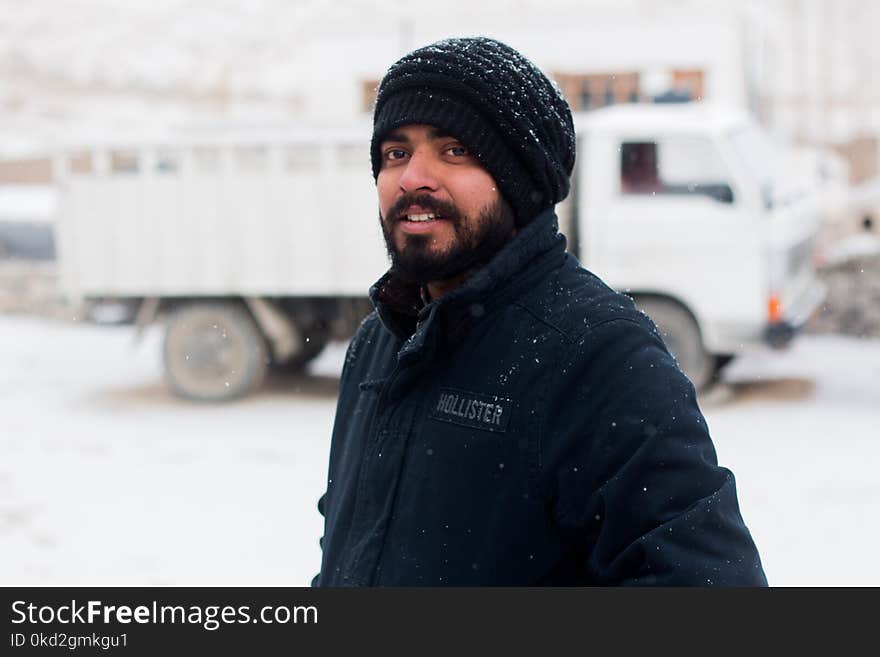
[
  {"x": 541, "y": 319},
  {"x": 574, "y": 336},
  {"x": 608, "y": 320}
]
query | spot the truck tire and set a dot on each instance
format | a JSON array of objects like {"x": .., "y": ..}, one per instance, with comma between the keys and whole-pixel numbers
[
  {"x": 213, "y": 352},
  {"x": 682, "y": 337}
]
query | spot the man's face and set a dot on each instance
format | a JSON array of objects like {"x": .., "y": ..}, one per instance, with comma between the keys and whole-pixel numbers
[{"x": 442, "y": 214}]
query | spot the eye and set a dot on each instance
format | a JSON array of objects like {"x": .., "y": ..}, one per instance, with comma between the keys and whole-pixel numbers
[
  {"x": 458, "y": 151},
  {"x": 395, "y": 154}
]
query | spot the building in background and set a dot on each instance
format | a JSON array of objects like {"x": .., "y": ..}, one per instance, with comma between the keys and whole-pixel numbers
[{"x": 803, "y": 67}]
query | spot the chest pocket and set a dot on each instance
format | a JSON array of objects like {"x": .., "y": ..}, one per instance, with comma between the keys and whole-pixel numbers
[
  {"x": 473, "y": 439},
  {"x": 468, "y": 466}
]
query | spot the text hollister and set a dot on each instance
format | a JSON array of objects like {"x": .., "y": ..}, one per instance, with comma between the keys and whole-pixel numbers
[{"x": 469, "y": 408}]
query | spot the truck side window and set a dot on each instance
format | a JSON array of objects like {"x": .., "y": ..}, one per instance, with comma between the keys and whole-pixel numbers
[
  {"x": 674, "y": 166},
  {"x": 638, "y": 168}
]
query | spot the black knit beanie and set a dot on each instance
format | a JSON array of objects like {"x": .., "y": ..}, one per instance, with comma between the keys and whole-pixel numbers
[{"x": 497, "y": 103}]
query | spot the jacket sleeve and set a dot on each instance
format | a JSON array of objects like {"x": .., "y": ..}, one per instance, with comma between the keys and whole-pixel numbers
[{"x": 632, "y": 472}]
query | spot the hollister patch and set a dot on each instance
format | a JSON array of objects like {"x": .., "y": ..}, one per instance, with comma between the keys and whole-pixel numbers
[{"x": 471, "y": 409}]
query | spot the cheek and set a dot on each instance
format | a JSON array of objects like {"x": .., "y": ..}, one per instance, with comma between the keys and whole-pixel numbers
[
  {"x": 479, "y": 194},
  {"x": 386, "y": 188}
]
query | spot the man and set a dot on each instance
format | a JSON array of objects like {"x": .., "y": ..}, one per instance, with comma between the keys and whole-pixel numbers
[{"x": 504, "y": 417}]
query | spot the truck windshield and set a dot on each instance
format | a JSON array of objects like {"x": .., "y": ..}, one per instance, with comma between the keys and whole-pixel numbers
[{"x": 764, "y": 161}]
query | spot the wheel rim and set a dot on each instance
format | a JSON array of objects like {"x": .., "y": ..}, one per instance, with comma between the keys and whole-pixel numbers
[{"x": 211, "y": 357}]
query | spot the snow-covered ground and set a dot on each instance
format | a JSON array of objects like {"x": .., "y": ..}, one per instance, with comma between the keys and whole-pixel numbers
[
  {"x": 107, "y": 479},
  {"x": 801, "y": 432}
]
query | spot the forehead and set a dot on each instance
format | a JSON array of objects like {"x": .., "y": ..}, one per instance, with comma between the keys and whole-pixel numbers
[{"x": 416, "y": 132}]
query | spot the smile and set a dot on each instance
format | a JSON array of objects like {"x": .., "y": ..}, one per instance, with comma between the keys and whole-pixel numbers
[{"x": 428, "y": 216}]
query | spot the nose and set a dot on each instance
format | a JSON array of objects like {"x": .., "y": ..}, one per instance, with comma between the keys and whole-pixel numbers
[{"x": 420, "y": 173}]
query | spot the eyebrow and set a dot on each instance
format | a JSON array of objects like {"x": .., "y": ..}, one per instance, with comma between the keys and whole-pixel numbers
[{"x": 400, "y": 137}]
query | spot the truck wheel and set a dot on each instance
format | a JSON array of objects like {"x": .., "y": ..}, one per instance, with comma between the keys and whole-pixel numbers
[
  {"x": 214, "y": 352},
  {"x": 682, "y": 337}
]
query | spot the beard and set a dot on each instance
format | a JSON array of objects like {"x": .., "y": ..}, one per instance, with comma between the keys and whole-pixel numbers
[{"x": 475, "y": 242}]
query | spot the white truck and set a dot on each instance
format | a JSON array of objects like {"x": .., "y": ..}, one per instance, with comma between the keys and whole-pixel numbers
[{"x": 257, "y": 249}]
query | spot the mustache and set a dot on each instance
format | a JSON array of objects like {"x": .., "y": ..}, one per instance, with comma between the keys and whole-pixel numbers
[{"x": 426, "y": 201}]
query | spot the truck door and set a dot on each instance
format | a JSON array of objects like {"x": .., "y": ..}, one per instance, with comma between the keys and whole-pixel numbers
[{"x": 674, "y": 222}]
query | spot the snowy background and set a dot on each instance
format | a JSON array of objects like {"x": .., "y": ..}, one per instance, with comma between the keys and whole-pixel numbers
[{"x": 105, "y": 478}]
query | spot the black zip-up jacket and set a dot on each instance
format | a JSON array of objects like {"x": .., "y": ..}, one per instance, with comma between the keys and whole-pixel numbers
[{"x": 527, "y": 428}]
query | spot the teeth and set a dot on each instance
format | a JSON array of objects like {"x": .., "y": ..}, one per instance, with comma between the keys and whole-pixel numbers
[{"x": 420, "y": 217}]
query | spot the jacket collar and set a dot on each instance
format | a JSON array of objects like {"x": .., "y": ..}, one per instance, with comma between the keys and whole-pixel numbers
[{"x": 399, "y": 304}]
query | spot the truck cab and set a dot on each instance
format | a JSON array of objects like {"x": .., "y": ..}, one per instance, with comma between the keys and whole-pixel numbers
[{"x": 687, "y": 209}]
